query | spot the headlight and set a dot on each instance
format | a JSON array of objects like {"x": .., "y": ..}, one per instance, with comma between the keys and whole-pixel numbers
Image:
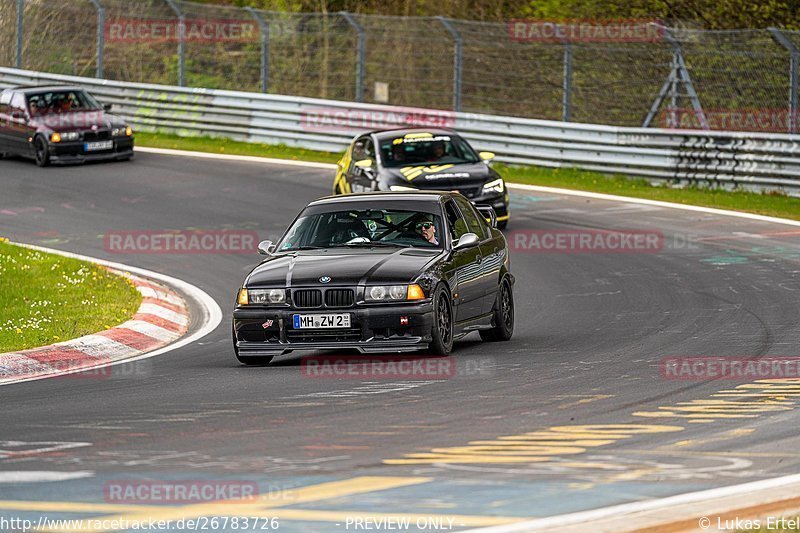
[
  {"x": 261, "y": 296},
  {"x": 388, "y": 293},
  {"x": 66, "y": 136},
  {"x": 401, "y": 188},
  {"x": 495, "y": 186},
  {"x": 122, "y": 132}
]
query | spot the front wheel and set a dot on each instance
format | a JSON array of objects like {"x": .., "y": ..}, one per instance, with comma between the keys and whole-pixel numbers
[
  {"x": 503, "y": 319},
  {"x": 42, "y": 155},
  {"x": 442, "y": 330}
]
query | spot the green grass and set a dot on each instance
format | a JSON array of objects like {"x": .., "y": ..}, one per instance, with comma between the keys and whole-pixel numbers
[
  {"x": 765, "y": 204},
  {"x": 47, "y": 298}
]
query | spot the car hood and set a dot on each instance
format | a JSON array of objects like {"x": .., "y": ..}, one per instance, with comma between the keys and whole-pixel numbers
[
  {"x": 441, "y": 177},
  {"x": 78, "y": 121},
  {"x": 344, "y": 267}
]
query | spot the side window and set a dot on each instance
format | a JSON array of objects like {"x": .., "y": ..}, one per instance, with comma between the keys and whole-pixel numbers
[
  {"x": 18, "y": 102},
  {"x": 475, "y": 221},
  {"x": 5, "y": 99},
  {"x": 360, "y": 148},
  {"x": 455, "y": 222}
]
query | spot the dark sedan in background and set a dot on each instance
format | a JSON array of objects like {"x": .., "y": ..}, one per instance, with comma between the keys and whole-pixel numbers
[
  {"x": 60, "y": 124},
  {"x": 418, "y": 158},
  {"x": 377, "y": 272}
]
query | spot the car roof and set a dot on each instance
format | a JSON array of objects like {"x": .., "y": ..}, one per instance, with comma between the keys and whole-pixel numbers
[
  {"x": 396, "y": 132},
  {"x": 416, "y": 196},
  {"x": 27, "y": 89}
]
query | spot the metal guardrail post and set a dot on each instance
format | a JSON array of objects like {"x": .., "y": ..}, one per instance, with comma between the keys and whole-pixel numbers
[
  {"x": 794, "y": 66},
  {"x": 361, "y": 48},
  {"x": 101, "y": 23},
  {"x": 457, "y": 61},
  {"x": 20, "y": 26},
  {"x": 181, "y": 39},
  {"x": 264, "y": 25},
  {"x": 566, "y": 102}
]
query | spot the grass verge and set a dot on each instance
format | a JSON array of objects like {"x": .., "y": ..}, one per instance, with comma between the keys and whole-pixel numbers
[
  {"x": 47, "y": 298},
  {"x": 764, "y": 204}
]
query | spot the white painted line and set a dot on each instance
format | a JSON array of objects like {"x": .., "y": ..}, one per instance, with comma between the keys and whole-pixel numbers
[
  {"x": 518, "y": 186},
  {"x": 637, "y": 507},
  {"x": 163, "y": 312},
  {"x": 657, "y": 203},
  {"x": 210, "y": 319},
  {"x": 41, "y": 476},
  {"x": 229, "y": 157}
]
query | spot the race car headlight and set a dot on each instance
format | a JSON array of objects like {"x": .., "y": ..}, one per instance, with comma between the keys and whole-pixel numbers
[
  {"x": 66, "y": 136},
  {"x": 495, "y": 186},
  {"x": 125, "y": 131},
  {"x": 401, "y": 188},
  {"x": 261, "y": 296},
  {"x": 388, "y": 293}
]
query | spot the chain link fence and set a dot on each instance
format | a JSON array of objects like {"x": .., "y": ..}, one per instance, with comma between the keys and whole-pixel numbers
[{"x": 676, "y": 78}]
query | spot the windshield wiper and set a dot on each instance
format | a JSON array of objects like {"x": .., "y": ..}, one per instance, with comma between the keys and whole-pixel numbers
[{"x": 370, "y": 244}]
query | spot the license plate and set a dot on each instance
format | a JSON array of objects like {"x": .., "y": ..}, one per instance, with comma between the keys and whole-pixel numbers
[
  {"x": 340, "y": 320},
  {"x": 98, "y": 145}
]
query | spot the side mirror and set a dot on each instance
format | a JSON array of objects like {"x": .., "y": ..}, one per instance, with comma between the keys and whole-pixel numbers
[
  {"x": 266, "y": 247},
  {"x": 486, "y": 156},
  {"x": 488, "y": 213},
  {"x": 107, "y": 107},
  {"x": 466, "y": 241}
]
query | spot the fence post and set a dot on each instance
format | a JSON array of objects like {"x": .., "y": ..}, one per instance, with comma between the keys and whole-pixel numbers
[
  {"x": 264, "y": 25},
  {"x": 101, "y": 23},
  {"x": 566, "y": 102},
  {"x": 181, "y": 38},
  {"x": 360, "y": 54},
  {"x": 457, "y": 61},
  {"x": 794, "y": 65},
  {"x": 20, "y": 17}
]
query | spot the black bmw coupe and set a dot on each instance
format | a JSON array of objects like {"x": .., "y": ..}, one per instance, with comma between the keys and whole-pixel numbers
[{"x": 378, "y": 273}]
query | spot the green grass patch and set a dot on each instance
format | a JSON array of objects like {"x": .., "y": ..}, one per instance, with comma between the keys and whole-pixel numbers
[
  {"x": 765, "y": 204},
  {"x": 46, "y": 298}
]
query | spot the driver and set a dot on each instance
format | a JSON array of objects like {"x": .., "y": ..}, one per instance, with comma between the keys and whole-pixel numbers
[
  {"x": 438, "y": 151},
  {"x": 427, "y": 230}
]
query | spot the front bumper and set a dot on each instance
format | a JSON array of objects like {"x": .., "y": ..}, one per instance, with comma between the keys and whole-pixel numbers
[
  {"x": 262, "y": 331},
  {"x": 498, "y": 201},
  {"x": 73, "y": 152}
]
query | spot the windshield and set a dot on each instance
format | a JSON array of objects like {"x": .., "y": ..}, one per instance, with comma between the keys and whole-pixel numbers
[
  {"x": 364, "y": 228},
  {"x": 416, "y": 148},
  {"x": 56, "y": 102}
]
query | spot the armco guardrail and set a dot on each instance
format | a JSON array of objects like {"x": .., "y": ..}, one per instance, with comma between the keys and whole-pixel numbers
[{"x": 730, "y": 158}]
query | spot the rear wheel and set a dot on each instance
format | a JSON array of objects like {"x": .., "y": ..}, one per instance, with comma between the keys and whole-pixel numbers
[
  {"x": 249, "y": 361},
  {"x": 442, "y": 330},
  {"x": 503, "y": 315},
  {"x": 42, "y": 155}
]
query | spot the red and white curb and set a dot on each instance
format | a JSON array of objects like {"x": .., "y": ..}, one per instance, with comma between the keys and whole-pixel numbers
[
  {"x": 159, "y": 325},
  {"x": 162, "y": 318}
]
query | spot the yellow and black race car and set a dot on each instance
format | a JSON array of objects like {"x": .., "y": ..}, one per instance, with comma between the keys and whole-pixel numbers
[{"x": 432, "y": 159}]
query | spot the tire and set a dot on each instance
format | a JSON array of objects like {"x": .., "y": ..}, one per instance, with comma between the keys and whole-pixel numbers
[
  {"x": 502, "y": 224},
  {"x": 249, "y": 361},
  {"x": 40, "y": 151},
  {"x": 442, "y": 329},
  {"x": 503, "y": 318}
]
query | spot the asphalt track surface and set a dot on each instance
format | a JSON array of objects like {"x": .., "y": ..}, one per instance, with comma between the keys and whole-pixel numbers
[{"x": 591, "y": 331}]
